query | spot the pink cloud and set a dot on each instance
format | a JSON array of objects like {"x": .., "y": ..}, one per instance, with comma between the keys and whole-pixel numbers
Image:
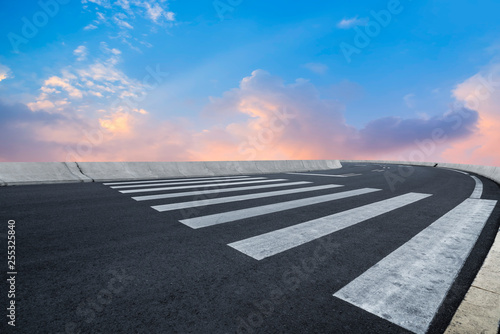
[
  {"x": 262, "y": 118},
  {"x": 481, "y": 92}
]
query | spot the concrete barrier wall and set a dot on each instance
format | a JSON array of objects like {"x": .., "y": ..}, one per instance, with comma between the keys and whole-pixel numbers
[
  {"x": 17, "y": 173},
  {"x": 411, "y": 163},
  {"x": 491, "y": 172}
]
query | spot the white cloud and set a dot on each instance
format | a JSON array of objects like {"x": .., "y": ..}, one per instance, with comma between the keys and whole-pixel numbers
[
  {"x": 105, "y": 48},
  {"x": 91, "y": 86},
  {"x": 103, "y": 3},
  {"x": 122, "y": 16},
  {"x": 352, "y": 22},
  {"x": 63, "y": 83},
  {"x": 154, "y": 11},
  {"x": 409, "y": 100},
  {"x": 317, "y": 68},
  {"x": 41, "y": 105},
  {"x": 119, "y": 19},
  {"x": 81, "y": 53},
  {"x": 170, "y": 16},
  {"x": 90, "y": 27},
  {"x": 5, "y": 72}
]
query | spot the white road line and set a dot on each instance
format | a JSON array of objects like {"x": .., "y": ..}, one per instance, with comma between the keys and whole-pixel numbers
[
  {"x": 272, "y": 243},
  {"x": 408, "y": 286},
  {"x": 478, "y": 189},
  {"x": 225, "y": 217},
  {"x": 174, "y": 180},
  {"x": 181, "y": 183},
  {"x": 456, "y": 170},
  {"x": 198, "y": 186},
  {"x": 190, "y": 204},
  {"x": 343, "y": 175},
  {"x": 217, "y": 191}
]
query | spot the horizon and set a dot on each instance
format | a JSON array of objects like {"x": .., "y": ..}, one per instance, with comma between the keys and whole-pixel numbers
[{"x": 147, "y": 80}]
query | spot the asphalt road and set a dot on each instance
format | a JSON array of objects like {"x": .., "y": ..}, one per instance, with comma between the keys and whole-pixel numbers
[{"x": 383, "y": 249}]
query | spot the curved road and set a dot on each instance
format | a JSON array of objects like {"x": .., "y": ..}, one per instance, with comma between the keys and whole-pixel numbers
[{"x": 364, "y": 249}]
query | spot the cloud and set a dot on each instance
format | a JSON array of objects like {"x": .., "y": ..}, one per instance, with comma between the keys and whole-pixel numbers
[
  {"x": 351, "y": 22},
  {"x": 56, "y": 81},
  {"x": 263, "y": 118},
  {"x": 42, "y": 136},
  {"x": 317, "y": 68},
  {"x": 130, "y": 21},
  {"x": 124, "y": 15},
  {"x": 5, "y": 72},
  {"x": 90, "y": 26},
  {"x": 119, "y": 19},
  {"x": 315, "y": 128},
  {"x": 155, "y": 12},
  {"x": 20, "y": 130},
  {"x": 482, "y": 93},
  {"x": 99, "y": 81},
  {"x": 81, "y": 53},
  {"x": 409, "y": 100},
  {"x": 390, "y": 133},
  {"x": 170, "y": 16}
]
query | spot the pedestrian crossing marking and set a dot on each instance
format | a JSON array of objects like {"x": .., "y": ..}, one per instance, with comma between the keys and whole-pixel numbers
[
  {"x": 212, "y": 201},
  {"x": 177, "y": 183},
  {"x": 226, "y": 217},
  {"x": 175, "y": 180},
  {"x": 408, "y": 286},
  {"x": 272, "y": 243},
  {"x": 217, "y": 191},
  {"x": 213, "y": 185}
]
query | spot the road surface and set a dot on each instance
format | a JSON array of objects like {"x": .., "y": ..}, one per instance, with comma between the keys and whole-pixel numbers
[{"x": 364, "y": 249}]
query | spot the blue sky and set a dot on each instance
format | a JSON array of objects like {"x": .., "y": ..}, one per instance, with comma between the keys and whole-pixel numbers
[{"x": 409, "y": 68}]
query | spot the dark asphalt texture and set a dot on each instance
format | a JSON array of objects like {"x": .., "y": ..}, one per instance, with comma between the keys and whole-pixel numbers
[{"x": 92, "y": 260}]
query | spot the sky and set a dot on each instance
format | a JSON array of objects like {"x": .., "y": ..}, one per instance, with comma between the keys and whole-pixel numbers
[{"x": 169, "y": 80}]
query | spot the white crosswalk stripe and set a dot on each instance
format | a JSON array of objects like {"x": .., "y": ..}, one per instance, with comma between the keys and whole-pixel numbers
[
  {"x": 272, "y": 243},
  {"x": 175, "y": 180},
  {"x": 199, "y": 186},
  {"x": 408, "y": 286},
  {"x": 225, "y": 217},
  {"x": 182, "y": 183},
  {"x": 212, "y": 201},
  {"x": 217, "y": 191}
]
